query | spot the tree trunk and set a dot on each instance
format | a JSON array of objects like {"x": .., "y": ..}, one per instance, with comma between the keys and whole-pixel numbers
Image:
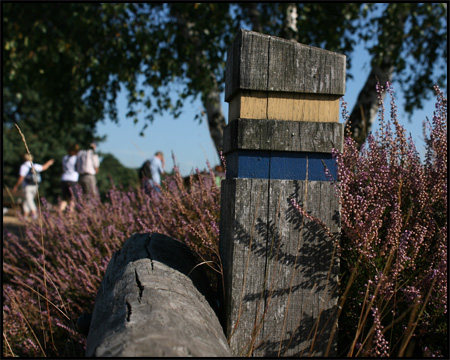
[
  {"x": 211, "y": 97},
  {"x": 364, "y": 112},
  {"x": 216, "y": 119}
]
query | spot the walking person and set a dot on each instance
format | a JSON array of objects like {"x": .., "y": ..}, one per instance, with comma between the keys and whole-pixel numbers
[
  {"x": 151, "y": 171},
  {"x": 29, "y": 180},
  {"x": 157, "y": 167},
  {"x": 69, "y": 178},
  {"x": 87, "y": 167}
]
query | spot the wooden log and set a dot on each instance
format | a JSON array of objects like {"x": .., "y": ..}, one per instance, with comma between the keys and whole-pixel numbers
[{"x": 153, "y": 302}]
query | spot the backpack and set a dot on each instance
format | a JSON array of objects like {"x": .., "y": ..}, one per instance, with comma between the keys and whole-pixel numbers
[
  {"x": 31, "y": 179},
  {"x": 65, "y": 163},
  {"x": 82, "y": 158},
  {"x": 145, "y": 171}
]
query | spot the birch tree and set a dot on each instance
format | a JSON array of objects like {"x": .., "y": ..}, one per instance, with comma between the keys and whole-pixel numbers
[{"x": 64, "y": 64}]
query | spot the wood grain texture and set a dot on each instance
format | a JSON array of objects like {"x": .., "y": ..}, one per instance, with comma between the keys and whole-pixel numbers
[
  {"x": 302, "y": 107},
  {"x": 290, "y": 285},
  {"x": 280, "y": 270},
  {"x": 256, "y": 134},
  {"x": 303, "y": 273},
  {"x": 248, "y": 105},
  {"x": 148, "y": 306},
  {"x": 268, "y": 63},
  {"x": 284, "y": 106},
  {"x": 244, "y": 208},
  {"x": 247, "y": 62}
]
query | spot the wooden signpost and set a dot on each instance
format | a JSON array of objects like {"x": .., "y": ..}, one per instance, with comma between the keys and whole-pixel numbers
[{"x": 280, "y": 268}]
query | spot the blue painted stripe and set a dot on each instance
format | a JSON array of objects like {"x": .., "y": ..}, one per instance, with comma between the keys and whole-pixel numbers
[
  {"x": 248, "y": 164},
  {"x": 280, "y": 165}
]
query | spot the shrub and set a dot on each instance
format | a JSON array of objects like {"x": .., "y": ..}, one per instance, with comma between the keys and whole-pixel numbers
[
  {"x": 393, "y": 248},
  {"x": 43, "y": 299},
  {"x": 394, "y": 240}
]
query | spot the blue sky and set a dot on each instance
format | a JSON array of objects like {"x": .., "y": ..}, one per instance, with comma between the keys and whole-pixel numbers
[{"x": 191, "y": 143}]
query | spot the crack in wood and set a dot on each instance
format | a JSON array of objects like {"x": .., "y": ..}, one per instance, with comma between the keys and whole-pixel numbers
[
  {"x": 139, "y": 284},
  {"x": 128, "y": 310},
  {"x": 149, "y": 238}
]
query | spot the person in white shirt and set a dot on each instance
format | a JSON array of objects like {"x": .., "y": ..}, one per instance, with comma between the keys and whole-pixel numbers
[
  {"x": 69, "y": 178},
  {"x": 157, "y": 167},
  {"x": 29, "y": 180},
  {"x": 87, "y": 167}
]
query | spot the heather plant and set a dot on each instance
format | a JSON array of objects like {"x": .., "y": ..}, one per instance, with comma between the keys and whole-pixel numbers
[
  {"x": 393, "y": 248},
  {"x": 77, "y": 249},
  {"x": 394, "y": 239}
]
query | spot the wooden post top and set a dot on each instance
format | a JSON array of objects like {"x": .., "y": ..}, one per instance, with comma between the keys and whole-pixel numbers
[{"x": 259, "y": 62}]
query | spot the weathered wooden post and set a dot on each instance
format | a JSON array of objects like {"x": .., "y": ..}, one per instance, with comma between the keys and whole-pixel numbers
[{"x": 280, "y": 269}]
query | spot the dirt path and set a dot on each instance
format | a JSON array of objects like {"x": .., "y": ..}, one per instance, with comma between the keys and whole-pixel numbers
[{"x": 11, "y": 223}]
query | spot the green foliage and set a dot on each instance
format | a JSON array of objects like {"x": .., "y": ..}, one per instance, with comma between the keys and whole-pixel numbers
[
  {"x": 65, "y": 63},
  {"x": 111, "y": 170},
  {"x": 72, "y": 60},
  {"x": 394, "y": 219},
  {"x": 418, "y": 32}
]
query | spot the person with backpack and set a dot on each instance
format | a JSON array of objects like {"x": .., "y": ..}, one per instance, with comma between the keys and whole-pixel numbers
[
  {"x": 151, "y": 171},
  {"x": 87, "y": 167},
  {"x": 145, "y": 173},
  {"x": 69, "y": 178},
  {"x": 30, "y": 179}
]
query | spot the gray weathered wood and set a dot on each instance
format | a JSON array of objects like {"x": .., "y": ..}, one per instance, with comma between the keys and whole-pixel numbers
[
  {"x": 279, "y": 266},
  {"x": 247, "y": 63},
  {"x": 302, "y": 271},
  {"x": 280, "y": 269},
  {"x": 251, "y": 134},
  {"x": 268, "y": 63},
  {"x": 245, "y": 210},
  {"x": 153, "y": 303}
]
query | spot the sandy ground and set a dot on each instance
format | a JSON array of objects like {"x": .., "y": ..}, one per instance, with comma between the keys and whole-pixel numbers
[{"x": 11, "y": 223}]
